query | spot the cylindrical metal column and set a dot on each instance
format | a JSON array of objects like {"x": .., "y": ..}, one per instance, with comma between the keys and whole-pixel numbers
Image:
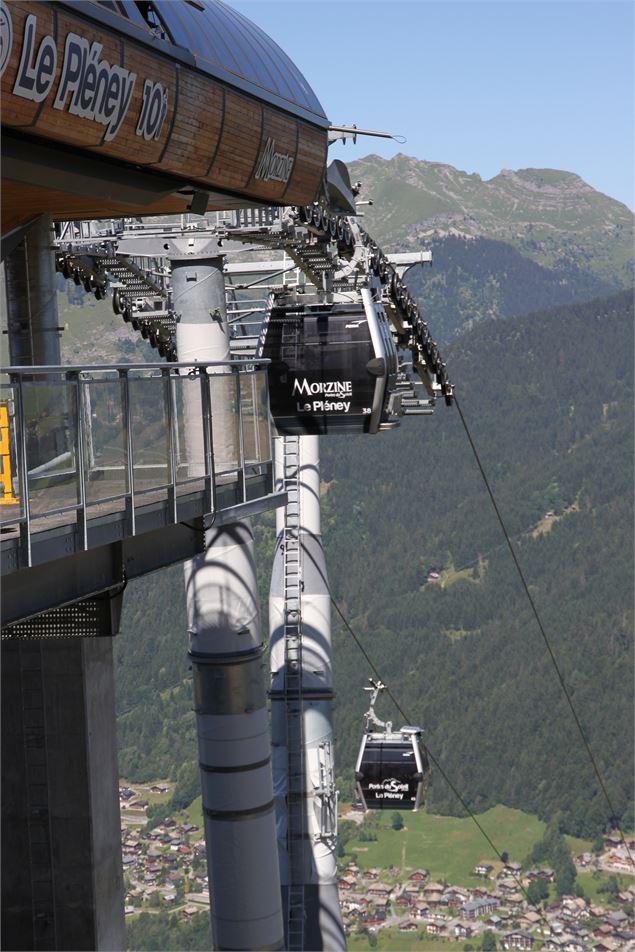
[
  {"x": 233, "y": 738},
  {"x": 322, "y": 924},
  {"x": 226, "y": 652},
  {"x": 32, "y": 298}
]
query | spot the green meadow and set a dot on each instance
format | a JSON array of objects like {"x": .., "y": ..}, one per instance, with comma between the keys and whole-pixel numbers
[
  {"x": 450, "y": 847},
  {"x": 392, "y": 940}
]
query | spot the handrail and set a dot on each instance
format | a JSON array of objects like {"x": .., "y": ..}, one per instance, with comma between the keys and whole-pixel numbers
[
  {"x": 159, "y": 365},
  {"x": 130, "y": 416}
]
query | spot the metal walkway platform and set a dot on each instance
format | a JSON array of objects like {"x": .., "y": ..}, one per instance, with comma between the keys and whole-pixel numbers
[{"x": 112, "y": 471}]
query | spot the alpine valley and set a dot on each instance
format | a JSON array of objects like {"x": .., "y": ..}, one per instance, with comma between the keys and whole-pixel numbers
[{"x": 531, "y": 293}]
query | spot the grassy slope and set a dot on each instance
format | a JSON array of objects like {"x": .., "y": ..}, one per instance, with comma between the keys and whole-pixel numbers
[{"x": 450, "y": 847}]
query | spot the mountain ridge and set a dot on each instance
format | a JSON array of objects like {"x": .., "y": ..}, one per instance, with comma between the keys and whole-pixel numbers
[{"x": 552, "y": 216}]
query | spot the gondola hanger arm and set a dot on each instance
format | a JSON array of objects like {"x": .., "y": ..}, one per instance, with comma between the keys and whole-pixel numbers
[{"x": 376, "y": 687}]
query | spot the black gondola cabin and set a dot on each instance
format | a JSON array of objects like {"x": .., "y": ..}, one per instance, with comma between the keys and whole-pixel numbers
[
  {"x": 333, "y": 365},
  {"x": 392, "y": 770}
]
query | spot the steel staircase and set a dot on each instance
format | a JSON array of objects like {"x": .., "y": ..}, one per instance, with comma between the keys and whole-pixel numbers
[{"x": 293, "y": 691}]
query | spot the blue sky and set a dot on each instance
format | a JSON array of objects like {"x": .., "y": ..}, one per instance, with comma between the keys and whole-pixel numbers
[{"x": 480, "y": 85}]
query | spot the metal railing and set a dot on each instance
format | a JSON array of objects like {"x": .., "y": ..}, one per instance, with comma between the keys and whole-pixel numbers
[{"x": 86, "y": 443}]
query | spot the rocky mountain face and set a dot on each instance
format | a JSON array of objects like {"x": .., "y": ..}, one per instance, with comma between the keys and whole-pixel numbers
[{"x": 550, "y": 216}]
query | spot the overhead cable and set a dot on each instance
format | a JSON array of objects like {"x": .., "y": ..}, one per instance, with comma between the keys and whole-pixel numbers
[{"x": 613, "y": 814}]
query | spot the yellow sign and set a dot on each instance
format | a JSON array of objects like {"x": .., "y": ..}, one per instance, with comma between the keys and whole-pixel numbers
[{"x": 6, "y": 477}]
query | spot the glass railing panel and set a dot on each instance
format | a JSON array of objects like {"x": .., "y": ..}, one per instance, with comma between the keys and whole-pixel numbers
[
  {"x": 262, "y": 416},
  {"x": 104, "y": 439},
  {"x": 225, "y": 422},
  {"x": 149, "y": 431},
  {"x": 141, "y": 434},
  {"x": 51, "y": 440},
  {"x": 248, "y": 418},
  {"x": 189, "y": 436}
]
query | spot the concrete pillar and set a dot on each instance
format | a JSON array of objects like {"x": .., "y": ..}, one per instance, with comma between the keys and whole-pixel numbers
[
  {"x": 226, "y": 650},
  {"x": 62, "y": 882}
]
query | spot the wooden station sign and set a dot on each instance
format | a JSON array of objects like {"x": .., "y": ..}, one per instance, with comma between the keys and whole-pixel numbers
[{"x": 72, "y": 81}]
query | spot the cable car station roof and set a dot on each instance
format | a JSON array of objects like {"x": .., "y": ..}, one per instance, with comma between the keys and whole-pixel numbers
[
  {"x": 115, "y": 107},
  {"x": 219, "y": 41}
]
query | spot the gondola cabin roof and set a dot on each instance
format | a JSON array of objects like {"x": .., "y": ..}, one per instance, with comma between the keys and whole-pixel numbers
[{"x": 115, "y": 107}]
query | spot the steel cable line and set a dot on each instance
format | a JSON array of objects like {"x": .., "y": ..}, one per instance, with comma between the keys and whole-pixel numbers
[
  {"x": 408, "y": 720},
  {"x": 613, "y": 814}
]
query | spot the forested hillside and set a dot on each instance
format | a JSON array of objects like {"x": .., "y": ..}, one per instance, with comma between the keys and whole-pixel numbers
[
  {"x": 548, "y": 399},
  {"x": 473, "y": 279}
]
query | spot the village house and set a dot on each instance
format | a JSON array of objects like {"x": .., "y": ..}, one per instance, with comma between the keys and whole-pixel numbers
[
  {"x": 611, "y": 841},
  {"x": 479, "y": 907},
  {"x": 434, "y": 899},
  {"x": 404, "y": 899},
  {"x": 603, "y": 931},
  {"x": 437, "y": 928},
  {"x": 380, "y": 889},
  {"x": 433, "y": 887},
  {"x": 435, "y": 915},
  {"x": 346, "y": 883},
  {"x": 514, "y": 901},
  {"x": 574, "y": 908},
  {"x": 507, "y": 886},
  {"x": 547, "y": 874},
  {"x": 483, "y": 869},
  {"x": 583, "y": 860},
  {"x": 512, "y": 869},
  {"x": 617, "y": 919},
  {"x": 518, "y": 940},
  {"x": 408, "y": 926},
  {"x": 551, "y": 945},
  {"x": 619, "y": 863},
  {"x": 370, "y": 874},
  {"x": 479, "y": 892},
  {"x": 418, "y": 875},
  {"x": 412, "y": 889},
  {"x": 351, "y": 908},
  {"x": 462, "y": 930},
  {"x": 571, "y": 943},
  {"x": 382, "y": 906},
  {"x": 454, "y": 896}
]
